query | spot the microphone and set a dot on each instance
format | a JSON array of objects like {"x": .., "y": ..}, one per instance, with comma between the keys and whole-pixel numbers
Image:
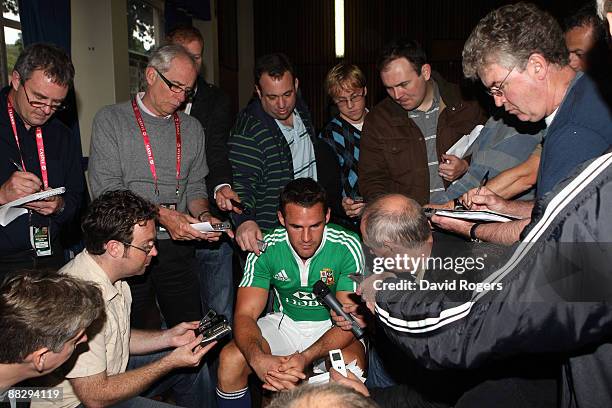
[{"x": 324, "y": 295}]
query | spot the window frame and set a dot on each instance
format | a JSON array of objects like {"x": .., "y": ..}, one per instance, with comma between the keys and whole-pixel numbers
[
  {"x": 158, "y": 24},
  {"x": 15, "y": 24}
]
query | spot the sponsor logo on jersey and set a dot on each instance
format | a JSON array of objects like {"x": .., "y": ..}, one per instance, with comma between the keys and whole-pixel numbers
[
  {"x": 282, "y": 276},
  {"x": 300, "y": 298},
  {"x": 327, "y": 276}
]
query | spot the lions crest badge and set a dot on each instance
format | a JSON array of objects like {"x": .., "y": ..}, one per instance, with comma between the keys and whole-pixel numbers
[{"x": 327, "y": 276}]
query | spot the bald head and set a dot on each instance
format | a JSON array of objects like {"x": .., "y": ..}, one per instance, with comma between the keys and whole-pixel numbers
[
  {"x": 321, "y": 396},
  {"x": 396, "y": 220}
]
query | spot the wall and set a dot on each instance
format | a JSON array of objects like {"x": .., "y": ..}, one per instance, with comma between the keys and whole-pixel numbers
[{"x": 99, "y": 54}]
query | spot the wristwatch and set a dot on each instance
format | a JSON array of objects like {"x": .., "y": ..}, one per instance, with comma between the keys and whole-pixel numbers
[{"x": 473, "y": 237}]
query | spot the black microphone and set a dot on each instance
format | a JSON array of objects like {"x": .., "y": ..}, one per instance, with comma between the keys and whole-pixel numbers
[{"x": 324, "y": 295}]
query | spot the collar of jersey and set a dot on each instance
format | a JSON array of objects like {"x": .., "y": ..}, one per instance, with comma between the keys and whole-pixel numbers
[{"x": 297, "y": 257}]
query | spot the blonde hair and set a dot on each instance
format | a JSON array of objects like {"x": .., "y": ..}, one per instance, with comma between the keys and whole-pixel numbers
[{"x": 344, "y": 76}]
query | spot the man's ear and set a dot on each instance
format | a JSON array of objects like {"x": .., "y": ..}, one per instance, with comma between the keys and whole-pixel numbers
[
  {"x": 426, "y": 71},
  {"x": 15, "y": 80},
  {"x": 296, "y": 84},
  {"x": 281, "y": 219},
  {"x": 258, "y": 91},
  {"x": 150, "y": 75},
  {"x": 537, "y": 66},
  {"x": 327, "y": 215},
  {"x": 37, "y": 358},
  {"x": 115, "y": 248},
  {"x": 365, "y": 90}
]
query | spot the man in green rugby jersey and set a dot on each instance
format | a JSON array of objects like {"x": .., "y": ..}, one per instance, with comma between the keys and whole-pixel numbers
[{"x": 279, "y": 347}]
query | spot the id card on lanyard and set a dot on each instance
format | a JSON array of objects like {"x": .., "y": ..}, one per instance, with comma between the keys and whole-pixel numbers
[
  {"x": 147, "y": 144},
  {"x": 40, "y": 236}
]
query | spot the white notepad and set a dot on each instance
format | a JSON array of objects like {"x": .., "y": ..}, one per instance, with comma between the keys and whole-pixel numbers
[
  {"x": 479, "y": 216},
  {"x": 10, "y": 211}
]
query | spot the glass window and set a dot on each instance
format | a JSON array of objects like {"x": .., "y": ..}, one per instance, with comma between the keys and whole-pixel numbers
[
  {"x": 14, "y": 46},
  {"x": 10, "y": 9},
  {"x": 144, "y": 25},
  {"x": 11, "y": 43}
]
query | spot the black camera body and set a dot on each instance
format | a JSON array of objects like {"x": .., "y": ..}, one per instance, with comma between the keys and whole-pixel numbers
[{"x": 213, "y": 327}]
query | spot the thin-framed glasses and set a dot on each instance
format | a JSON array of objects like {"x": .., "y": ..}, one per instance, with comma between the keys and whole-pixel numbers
[
  {"x": 499, "y": 90},
  {"x": 147, "y": 250},
  {"x": 353, "y": 99},
  {"x": 174, "y": 87},
  {"x": 40, "y": 105}
]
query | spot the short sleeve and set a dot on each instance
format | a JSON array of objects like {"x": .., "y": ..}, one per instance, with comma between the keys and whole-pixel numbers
[
  {"x": 93, "y": 360},
  {"x": 256, "y": 271},
  {"x": 352, "y": 261}
]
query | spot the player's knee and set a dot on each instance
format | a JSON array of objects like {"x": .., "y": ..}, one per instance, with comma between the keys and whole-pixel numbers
[{"x": 232, "y": 365}]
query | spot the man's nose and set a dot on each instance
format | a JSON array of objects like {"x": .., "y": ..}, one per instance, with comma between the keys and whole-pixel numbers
[
  {"x": 499, "y": 100},
  {"x": 397, "y": 93},
  {"x": 306, "y": 235},
  {"x": 574, "y": 61},
  {"x": 47, "y": 109}
]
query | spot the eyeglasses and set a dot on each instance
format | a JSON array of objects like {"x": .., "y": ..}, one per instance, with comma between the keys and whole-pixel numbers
[
  {"x": 38, "y": 104},
  {"x": 353, "y": 99},
  {"x": 176, "y": 88},
  {"x": 147, "y": 250},
  {"x": 499, "y": 90}
]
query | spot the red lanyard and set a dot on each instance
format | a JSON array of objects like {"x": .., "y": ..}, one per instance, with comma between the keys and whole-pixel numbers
[
  {"x": 149, "y": 150},
  {"x": 40, "y": 146}
]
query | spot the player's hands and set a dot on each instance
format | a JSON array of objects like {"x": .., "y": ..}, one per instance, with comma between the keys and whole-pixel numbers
[
  {"x": 351, "y": 381},
  {"x": 188, "y": 355},
  {"x": 181, "y": 334},
  {"x": 48, "y": 206},
  {"x": 351, "y": 309},
  {"x": 179, "y": 226},
  {"x": 452, "y": 167},
  {"x": 247, "y": 235},
  {"x": 288, "y": 375},
  {"x": 223, "y": 197},
  {"x": 264, "y": 363},
  {"x": 20, "y": 184}
]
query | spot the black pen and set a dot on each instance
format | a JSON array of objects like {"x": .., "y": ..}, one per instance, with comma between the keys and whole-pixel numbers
[
  {"x": 483, "y": 182},
  {"x": 17, "y": 165},
  {"x": 240, "y": 206}
]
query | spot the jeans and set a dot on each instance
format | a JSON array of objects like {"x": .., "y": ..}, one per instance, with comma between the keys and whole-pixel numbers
[
  {"x": 214, "y": 270},
  {"x": 171, "y": 281}
]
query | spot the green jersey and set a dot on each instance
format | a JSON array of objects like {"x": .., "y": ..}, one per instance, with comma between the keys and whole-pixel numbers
[{"x": 281, "y": 269}]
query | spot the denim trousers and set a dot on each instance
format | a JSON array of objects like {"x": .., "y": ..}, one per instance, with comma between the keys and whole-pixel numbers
[
  {"x": 170, "y": 282},
  {"x": 214, "y": 268}
]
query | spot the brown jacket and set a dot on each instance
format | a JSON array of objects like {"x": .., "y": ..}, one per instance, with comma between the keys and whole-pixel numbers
[{"x": 393, "y": 157}]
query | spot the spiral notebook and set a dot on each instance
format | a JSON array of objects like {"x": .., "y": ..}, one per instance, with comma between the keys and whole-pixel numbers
[{"x": 10, "y": 211}]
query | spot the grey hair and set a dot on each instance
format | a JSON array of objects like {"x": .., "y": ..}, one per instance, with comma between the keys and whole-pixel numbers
[
  {"x": 509, "y": 35},
  {"x": 162, "y": 57},
  {"x": 406, "y": 228},
  {"x": 311, "y": 395}
]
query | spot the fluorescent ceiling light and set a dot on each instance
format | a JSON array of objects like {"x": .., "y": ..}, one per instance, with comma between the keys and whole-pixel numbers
[{"x": 339, "y": 27}]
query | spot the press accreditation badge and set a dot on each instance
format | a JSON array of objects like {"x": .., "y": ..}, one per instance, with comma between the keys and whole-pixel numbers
[
  {"x": 169, "y": 206},
  {"x": 41, "y": 240}
]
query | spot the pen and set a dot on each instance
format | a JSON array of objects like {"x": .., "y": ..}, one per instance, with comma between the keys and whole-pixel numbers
[
  {"x": 483, "y": 182},
  {"x": 17, "y": 165}
]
